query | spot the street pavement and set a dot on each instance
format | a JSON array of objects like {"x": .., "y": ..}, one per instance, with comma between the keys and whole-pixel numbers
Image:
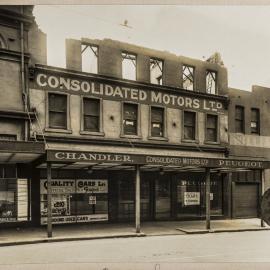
[{"x": 231, "y": 250}]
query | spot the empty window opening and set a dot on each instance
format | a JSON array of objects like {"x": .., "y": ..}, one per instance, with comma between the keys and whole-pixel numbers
[
  {"x": 89, "y": 58},
  {"x": 211, "y": 85},
  {"x": 156, "y": 71},
  {"x": 129, "y": 66},
  {"x": 188, "y": 77}
]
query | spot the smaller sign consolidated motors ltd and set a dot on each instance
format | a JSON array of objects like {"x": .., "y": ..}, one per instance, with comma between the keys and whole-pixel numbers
[{"x": 68, "y": 194}]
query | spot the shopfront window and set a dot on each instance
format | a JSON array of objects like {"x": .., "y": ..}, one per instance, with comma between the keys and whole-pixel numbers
[
  {"x": 163, "y": 198},
  {"x": 13, "y": 195},
  {"x": 126, "y": 205},
  {"x": 191, "y": 196},
  {"x": 80, "y": 200}
]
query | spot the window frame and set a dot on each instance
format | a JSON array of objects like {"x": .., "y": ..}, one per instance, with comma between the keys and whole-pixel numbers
[
  {"x": 162, "y": 72},
  {"x": 136, "y": 70},
  {"x": 194, "y": 77},
  {"x": 258, "y": 120},
  {"x": 160, "y": 138},
  {"x": 88, "y": 132},
  {"x": 217, "y": 129},
  {"x": 122, "y": 133},
  {"x": 216, "y": 80},
  {"x": 47, "y": 120},
  {"x": 243, "y": 120},
  {"x": 97, "y": 56},
  {"x": 195, "y": 140}
]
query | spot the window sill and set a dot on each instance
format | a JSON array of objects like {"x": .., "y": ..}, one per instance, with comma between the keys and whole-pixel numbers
[
  {"x": 92, "y": 133},
  {"x": 158, "y": 138},
  {"x": 130, "y": 136},
  {"x": 58, "y": 130},
  {"x": 210, "y": 142},
  {"x": 190, "y": 141}
]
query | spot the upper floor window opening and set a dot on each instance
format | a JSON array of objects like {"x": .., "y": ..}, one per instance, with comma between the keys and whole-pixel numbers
[
  {"x": 239, "y": 119},
  {"x": 188, "y": 77},
  {"x": 57, "y": 111},
  {"x": 157, "y": 122},
  {"x": 130, "y": 119},
  {"x": 211, "y": 128},
  {"x": 255, "y": 121},
  {"x": 91, "y": 114},
  {"x": 211, "y": 82},
  {"x": 189, "y": 125},
  {"x": 156, "y": 71},
  {"x": 89, "y": 58},
  {"x": 129, "y": 66}
]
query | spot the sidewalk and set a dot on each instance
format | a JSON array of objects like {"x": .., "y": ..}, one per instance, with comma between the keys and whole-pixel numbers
[{"x": 100, "y": 231}]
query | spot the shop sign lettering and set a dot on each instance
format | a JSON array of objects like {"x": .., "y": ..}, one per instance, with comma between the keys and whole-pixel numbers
[
  {"x": 92, "y": 186},
  {"x": 76, "y": 85},
  {"x": 64, "y": 156},
  {"x": 58, "y": 186},
  {"x": 75, "y": 219}
]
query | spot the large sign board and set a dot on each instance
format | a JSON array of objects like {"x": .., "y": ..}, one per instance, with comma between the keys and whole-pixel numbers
[
  {"x": 72, "y": 156},
  {"x": 87, "y": 86}
]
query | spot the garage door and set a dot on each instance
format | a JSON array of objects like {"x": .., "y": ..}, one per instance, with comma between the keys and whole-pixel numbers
[{"x": 246, "y": 200}]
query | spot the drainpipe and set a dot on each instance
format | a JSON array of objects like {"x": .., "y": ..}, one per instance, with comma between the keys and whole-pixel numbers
[{"x": 24, "y": 94}]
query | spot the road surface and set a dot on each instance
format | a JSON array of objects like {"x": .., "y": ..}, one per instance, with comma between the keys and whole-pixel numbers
[{"x": 249, "y": 250}]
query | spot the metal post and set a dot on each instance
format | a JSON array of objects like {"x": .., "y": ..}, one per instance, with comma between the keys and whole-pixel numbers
[
  {"x": 207, "y": 198},
  {"x": 262, "y": 187},
  {"x": 49, "y": 199},
  {"x": 138, "y": 201}
]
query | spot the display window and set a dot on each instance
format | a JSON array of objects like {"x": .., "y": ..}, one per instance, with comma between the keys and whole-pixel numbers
[
  {"x": 80, "y": 200},
  {"x": 191, "y": 197},
  {"x": 14, "y": 199}
]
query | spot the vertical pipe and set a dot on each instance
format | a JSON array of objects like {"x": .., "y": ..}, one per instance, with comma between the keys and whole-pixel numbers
[
  {"x": 262, "y": 192},
  {"x": 138, "y": 201},
  {"x": 49, "y": 199},
  {"x": 207, "y": 198},
  {"x": 24, "y": 96}
]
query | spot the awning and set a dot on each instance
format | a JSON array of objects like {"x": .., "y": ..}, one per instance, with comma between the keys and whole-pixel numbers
[
  {"x": 63, "y": 159},
  {"x": 20, "y": 151}
]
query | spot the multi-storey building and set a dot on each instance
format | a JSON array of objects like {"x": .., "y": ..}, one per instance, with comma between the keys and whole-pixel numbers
[
  {"x": 130, "y": 133},
  {"x": 16, "y": 151}
]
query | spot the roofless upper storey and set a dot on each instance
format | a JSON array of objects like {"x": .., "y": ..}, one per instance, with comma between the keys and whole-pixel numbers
[{"x": 126, "y": 61}]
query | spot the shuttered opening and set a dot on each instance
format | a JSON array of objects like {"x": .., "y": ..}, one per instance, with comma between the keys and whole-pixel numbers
[{"x": 246, "y": 200}]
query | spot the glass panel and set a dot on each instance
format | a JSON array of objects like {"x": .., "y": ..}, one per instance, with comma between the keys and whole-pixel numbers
[
  {"x": 57, "y": 120},
  {"x": 8, "y": 193},
  {"x": 91, "y": 123},
  {"x": 163, "y": 201},
  {"x": 57, "y": 103},
  {"x": 91, "y": 106}
]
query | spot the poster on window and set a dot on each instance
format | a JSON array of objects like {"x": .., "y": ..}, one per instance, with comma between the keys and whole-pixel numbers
[
  {"x": 191, "y": 198},
  {"x": 62, "y": 186},
  {"x": 76, "y": 219},
  {"x": 92, "y": 186}
]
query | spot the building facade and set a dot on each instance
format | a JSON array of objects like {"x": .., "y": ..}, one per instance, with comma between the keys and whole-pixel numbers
[{"x": 130, "y": 133}]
